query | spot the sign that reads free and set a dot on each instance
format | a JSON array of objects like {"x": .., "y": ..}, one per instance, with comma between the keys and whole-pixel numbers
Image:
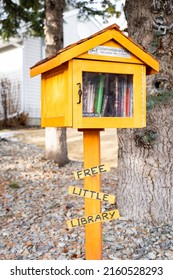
[
  {"x": 91, "y": 219},
  {"x": 91, "y": 171},
  {"x": 91, "y": 194}
]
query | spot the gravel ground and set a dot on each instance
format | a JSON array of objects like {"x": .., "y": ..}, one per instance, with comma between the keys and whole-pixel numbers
[{"x": 35, "y": 205}]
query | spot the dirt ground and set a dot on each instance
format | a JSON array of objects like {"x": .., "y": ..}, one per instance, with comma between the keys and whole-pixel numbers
[{"x": 109, "y": 145}]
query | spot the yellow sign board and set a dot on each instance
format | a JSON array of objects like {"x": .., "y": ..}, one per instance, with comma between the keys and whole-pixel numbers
[
  {"x": 91, "y": 194},
  {"x": 91, "y": 171},
  {"x": 91, "y": 219}
]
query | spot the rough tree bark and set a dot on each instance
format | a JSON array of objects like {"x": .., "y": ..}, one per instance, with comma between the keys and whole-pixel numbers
[
  {"x": 55, "y": 138},
  {"x": 145, "y": 191}
]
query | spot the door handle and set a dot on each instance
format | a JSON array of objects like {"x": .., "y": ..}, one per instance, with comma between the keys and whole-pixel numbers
[{"x": 79, "y": 93}]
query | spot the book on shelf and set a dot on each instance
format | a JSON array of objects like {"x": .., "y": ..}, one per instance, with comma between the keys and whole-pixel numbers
[
  {"x": 123, "y": 97},
  {"x": 99, "y": 98},
  {"x": 129, "y": 98},
  {"x": 84, "y": 99},
  {"x": 115, "y": 95},
  {"x": 104, "y": 105},
  {"x": 90, "y": 97},
  {"x": 107, "y": 95}
]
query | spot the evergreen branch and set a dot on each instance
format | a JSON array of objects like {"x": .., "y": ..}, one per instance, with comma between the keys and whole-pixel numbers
[{"x": 158, "y": 99}]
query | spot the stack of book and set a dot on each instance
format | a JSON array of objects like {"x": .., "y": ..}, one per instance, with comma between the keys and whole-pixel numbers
[{"x": 107, "y": 95}]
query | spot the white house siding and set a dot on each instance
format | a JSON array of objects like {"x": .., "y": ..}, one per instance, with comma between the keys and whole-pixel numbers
[
  {"x": 32, "y": 53},
  {"x": 14, "y": 75}
]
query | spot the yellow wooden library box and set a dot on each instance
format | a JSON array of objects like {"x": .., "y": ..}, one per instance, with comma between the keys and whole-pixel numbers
[{"x": 98, "y": 82}]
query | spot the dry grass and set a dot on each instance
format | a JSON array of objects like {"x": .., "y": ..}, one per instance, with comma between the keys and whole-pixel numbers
[{"x": 109, "y": 145}]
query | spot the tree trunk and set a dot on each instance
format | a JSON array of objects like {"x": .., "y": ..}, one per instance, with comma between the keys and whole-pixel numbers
[
  {"x": 145, "y": 191},
  {"x": 56, "y": 144}
]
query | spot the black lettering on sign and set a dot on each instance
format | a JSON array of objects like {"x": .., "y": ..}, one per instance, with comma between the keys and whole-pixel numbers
[
  {"x": 78, "y": 173},
  {"x": 102, "y": 168},
  {"x": 91, "y": 194},
  {"x": 93, "y": 171},
  {"x": 105, "y": 197},
  {"x": 101, "y": 217},
  {"x": 112, "y": 214},
  {"x": 105, "y": 216},
  {"x": 83, "y": 221},
  {"x": 98, "y": 218},
  {"x": 87, "y": 172},
  {"x": 90, "y": 219}
]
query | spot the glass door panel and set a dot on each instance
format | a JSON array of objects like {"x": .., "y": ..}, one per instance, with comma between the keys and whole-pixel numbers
[{"x": 107, "y": 95}]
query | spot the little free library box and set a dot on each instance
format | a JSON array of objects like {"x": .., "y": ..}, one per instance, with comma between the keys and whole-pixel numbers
[{"x": 98, "y": 82}]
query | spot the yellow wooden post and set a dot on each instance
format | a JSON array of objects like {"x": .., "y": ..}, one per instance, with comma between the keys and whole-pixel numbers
[{"x": 93, "y": 232}]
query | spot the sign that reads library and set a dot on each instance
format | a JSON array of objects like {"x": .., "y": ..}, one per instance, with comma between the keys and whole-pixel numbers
[
  {"x": 91, "y": 219},
  {"x": 91, "y": 171},
  {"x": 110, "y": 51},
  {"x": 91, "y": 194}
]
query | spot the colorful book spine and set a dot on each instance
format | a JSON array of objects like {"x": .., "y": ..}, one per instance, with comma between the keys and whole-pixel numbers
[
  {"x": 110, "y": 107},
  {"x": 100, "y": 95},
  {"x": 92, "y": 99},
  {"x": 129, "y": 97},
  {"x": 89, "y": 96},
  {"x": 131, "y": 100},
  {"x": 128, "y": 102},
  {"x": 104, "y": 105},
  {"x": 125, "y": 96},
  {"x": 116, "y": 95},
  {"x": 120, "y": 97},
  {"x": 84, "y": 99}
]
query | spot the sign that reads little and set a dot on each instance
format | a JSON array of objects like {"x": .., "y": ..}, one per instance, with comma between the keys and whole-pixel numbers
[
  {"x": 91, "y": 194},
  {"x": 91, "y": 219},
  {"x": 91, "y": 171}
]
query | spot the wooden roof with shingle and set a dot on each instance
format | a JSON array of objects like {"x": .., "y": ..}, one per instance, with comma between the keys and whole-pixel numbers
[{"x": 111, "y": 32}]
